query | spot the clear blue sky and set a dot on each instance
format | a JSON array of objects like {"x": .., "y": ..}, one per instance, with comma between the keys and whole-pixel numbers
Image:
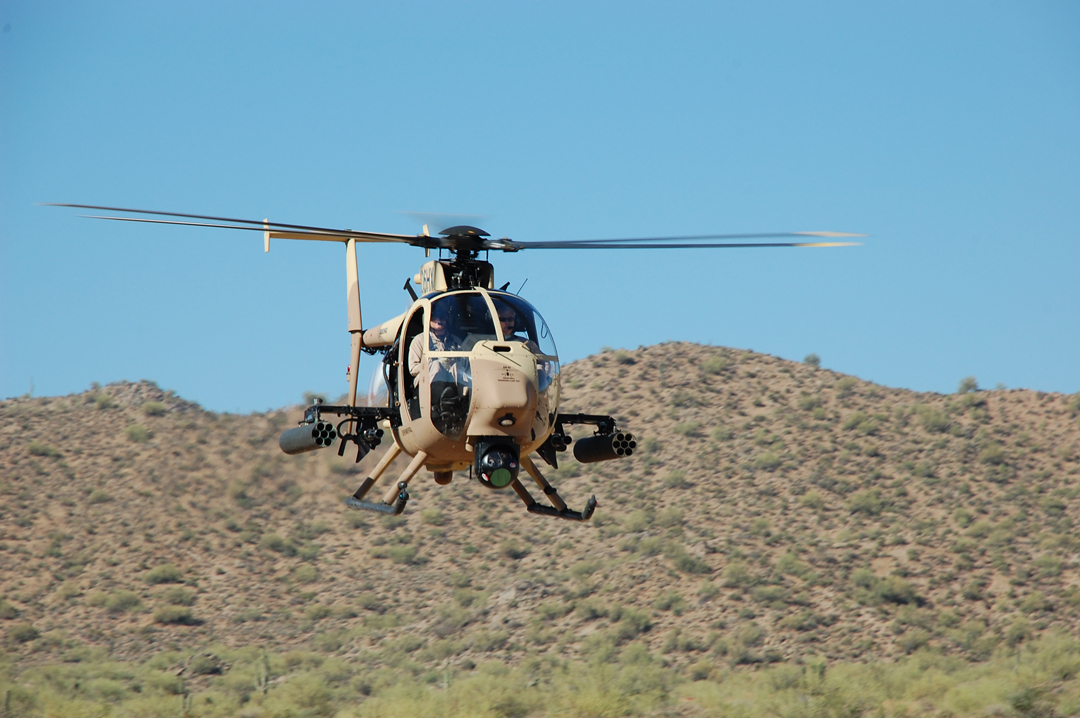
[{"x": 950, "y": 131}]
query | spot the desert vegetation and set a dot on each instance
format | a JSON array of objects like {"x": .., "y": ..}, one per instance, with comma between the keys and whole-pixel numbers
[{"x": 786, "y": 540}]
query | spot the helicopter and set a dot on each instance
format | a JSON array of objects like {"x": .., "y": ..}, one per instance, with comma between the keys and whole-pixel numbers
[{"x": 469, "y": 373}]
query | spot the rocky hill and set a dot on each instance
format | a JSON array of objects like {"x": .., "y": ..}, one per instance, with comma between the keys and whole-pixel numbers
[{"x": 775, "y": 512}]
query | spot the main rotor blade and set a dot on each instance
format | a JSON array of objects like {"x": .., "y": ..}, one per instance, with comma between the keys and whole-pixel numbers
[
  {"x": 647, "y": 244},
  {"x": 302, "y": 231},
  {"x": 328, "y": 236},
  {"x": 693, "y": 238},
  {"x": 258, "y": 224}
]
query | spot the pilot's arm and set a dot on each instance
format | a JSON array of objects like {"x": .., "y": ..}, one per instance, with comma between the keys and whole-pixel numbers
[{"x": 416, "y": 357}]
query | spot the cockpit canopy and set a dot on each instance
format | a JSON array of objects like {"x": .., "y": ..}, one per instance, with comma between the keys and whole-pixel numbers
[{"x": 458, "y": 320}]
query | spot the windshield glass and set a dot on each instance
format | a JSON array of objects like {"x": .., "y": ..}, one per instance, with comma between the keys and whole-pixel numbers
[
  {"x": 520, "y": 322},
  {"x": 458, "y": 321}
]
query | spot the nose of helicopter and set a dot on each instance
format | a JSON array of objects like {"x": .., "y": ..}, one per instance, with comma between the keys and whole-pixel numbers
[{"x": 506, "y": 394}]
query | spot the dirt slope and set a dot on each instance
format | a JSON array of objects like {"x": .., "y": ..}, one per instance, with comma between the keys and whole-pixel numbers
[{"x": 775, "y": 511}]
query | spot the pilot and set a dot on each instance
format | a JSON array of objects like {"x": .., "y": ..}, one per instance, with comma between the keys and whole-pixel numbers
[
  {"x": 442, "y": 339},
  {"x": 508, "y": 320}
]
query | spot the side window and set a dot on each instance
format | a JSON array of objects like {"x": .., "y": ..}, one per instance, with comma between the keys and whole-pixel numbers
[
  {"x": 513, "y": 323},
  {"x": 519, "y": 321}
]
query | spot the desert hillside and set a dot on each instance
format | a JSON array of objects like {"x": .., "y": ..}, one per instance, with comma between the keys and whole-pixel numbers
[{"x": 776, "y": 512}]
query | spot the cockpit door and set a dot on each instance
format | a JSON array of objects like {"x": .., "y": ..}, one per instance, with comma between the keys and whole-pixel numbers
[{"x": 408, "y": 383}]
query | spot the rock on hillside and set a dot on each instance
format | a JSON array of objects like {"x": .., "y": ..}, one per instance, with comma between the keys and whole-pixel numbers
[{"x": 775, "y": 511}]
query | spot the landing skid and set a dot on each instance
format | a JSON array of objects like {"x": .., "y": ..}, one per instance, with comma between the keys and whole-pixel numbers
[
  {"x": 560, "y": 509},
  {"x": 391, "y": 509}
]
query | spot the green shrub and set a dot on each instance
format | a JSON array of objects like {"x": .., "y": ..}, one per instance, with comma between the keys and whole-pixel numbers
[
  {"x": 122, "y": 601},
  {"x": 1048, "y": 565},
  {"x": 154, "y": 408},
  {"x": 433, "y": 517},
  {"x": 513, "y": 549},
  {"x": 714, "y": 365},
  {"x": 913, "y": 640},
  {"x": 896, "y": 590},
  {"x": 1035, "y": 603},
  {"x": 175, "y": 615},
  {"x": 812, "y": 360},
  {"x": 406, "y": 555},
  {"x": 774, "y": 596},
  {"x": 317, "y": 612},
  {"x": 803, "y": 621},
  {"x": 690, "y": 429},
  {"x": 685, "y": 562},
  {"x": 671, "y": 601},
  {"x": 972, "y": 401},
  {"x": 861, "y": 423},
  {"x": 138, "y": 433},
  {"x": 973, "y": 590},
  {"x": 205, "y": 664},
  {"x": 7, "y": 611},
  {"x": 166, "y": 573},
  {"x": 789, "y": 563},
  {"x": 967, "y": 385},
  {"x": 682, "y": 399},
  {"x": 864, "y": 578},
  {"x": 993, "y": 454},
  {"x": 591, "y": 609},
  {"x": 391, "y": 522},
  {"x": 933, "y": 421},
  {"x": 553, "y": 611},
  {"x": 279, "y": 544},
  {"x": 631, "y": 622},
  {"x": 179, "y": 596},
  {"x": 867, "y": 502},
  {"x": 636, "y": 521},
  {"x": 669, "y": 518},
  {"x": 356, "y": 520},
  {"x": 676, "y": 480},
  {"x": 23, "y": 632},
  {"x": 583, "y": 569},
  {"x": 737, "y": 575},
  {"x": 846, "y": 386},
  {"x": 305, "y": 573},
  {"x": 39, "y": 448},
  {"x": 488, "y": 641},
  {"x": 768, "y": 461},
  {"x": 722, "y": 433},
  {"x": 168, "y": 683}
]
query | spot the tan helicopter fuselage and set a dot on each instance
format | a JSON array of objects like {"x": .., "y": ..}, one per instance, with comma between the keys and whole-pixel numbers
[
  {"x": 482, "y": 385},
  {"x": 505, "y": 387}
]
